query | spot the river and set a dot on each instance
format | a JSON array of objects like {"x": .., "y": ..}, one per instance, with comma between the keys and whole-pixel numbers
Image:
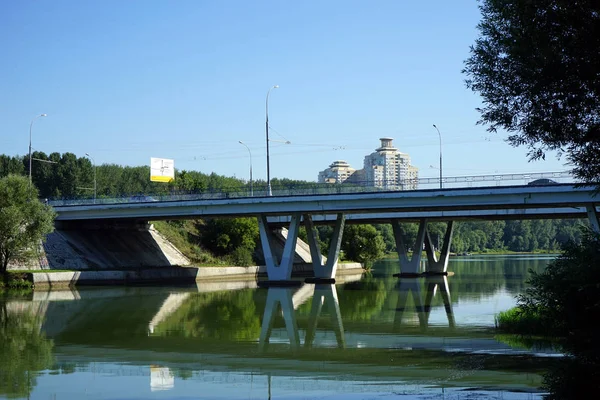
[{"x": 370, "y": 336}]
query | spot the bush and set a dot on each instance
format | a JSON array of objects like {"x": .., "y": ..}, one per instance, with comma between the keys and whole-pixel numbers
[
  {"x": 242, "y": 257},
  {"x": 566, "y": 296}
]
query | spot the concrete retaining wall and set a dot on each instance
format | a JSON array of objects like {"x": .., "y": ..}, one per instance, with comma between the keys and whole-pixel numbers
[{"x": 169, "y": 275}]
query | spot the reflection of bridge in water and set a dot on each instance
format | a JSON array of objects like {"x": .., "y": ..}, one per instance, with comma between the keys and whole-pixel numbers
[
  {"x": 301, "y": 332},
  {"x": 284, "y": 302},
  {"x": 67, "y": 312}
]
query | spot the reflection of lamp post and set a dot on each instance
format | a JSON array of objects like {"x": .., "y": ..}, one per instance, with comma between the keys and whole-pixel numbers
[
  {"x": 269, "y": 193},
  {"x": 31, "y": 126},
  {"x": 90, "y": 157},
  {"x": 250, "y": 153},
  {"x": 440, "y": 135}
]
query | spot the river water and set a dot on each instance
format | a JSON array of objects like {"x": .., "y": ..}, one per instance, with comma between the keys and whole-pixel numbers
[{"x": 369, "y": 336}]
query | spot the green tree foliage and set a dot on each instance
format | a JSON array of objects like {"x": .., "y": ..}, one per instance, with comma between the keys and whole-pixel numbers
[
  {"x": 225, "y": 235},
  {"x": 362, "y": 243},
  {"x": 24, "y": 220},
  {"x": 11, "y": 166},
  {"x": 536, "y": 65},
  {"x": 566, "y": 294},
  {"x": 24, "y": 351}
]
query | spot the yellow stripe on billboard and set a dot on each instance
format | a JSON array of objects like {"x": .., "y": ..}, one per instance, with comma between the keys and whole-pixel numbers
[{"x": 162, "y": 169}]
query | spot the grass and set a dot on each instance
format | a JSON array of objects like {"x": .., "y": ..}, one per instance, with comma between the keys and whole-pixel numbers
[
  {"x": 16, "y": 280},
  {"x": 517, "y": 320}
]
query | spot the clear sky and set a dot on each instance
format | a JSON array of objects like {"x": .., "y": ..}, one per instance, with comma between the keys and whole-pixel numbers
[{"x": 128, "y": 80}]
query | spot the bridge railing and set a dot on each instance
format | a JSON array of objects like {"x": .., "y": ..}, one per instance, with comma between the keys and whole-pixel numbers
[{"x": 313, "y": 188}]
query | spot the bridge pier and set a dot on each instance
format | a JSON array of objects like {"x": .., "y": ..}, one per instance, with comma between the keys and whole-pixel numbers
[
  {"x": 409, "y": 266},
  {"x": 594, "y": 217},
  {"x": 281, "y": 272},
  {"x": 435, "y": 265},
  {"x": 324, "y": 272}
]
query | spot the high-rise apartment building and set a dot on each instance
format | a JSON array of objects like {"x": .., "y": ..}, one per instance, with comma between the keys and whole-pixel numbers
[
  {"x": 338, "y": 172},
  {"x": 386, "y": 168}
]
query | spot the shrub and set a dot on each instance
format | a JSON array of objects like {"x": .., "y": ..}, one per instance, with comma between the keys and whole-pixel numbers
[
  {"x": 566, "y": 296},
  {"x": 241, "y": 257}
]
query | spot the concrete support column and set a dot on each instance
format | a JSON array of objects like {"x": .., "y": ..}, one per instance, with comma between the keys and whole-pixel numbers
[
  {"x": 327, "y": 270},
  {"x": 279, "y": 271},
  {"x": 435, "y": 266},
  {"x": 594, "y": 217},
  {"x": 409, "y": 266},
  {"x": 325, "y": 293}
]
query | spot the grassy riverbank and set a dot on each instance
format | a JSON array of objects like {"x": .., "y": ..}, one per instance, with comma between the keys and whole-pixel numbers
[
  {"x": 16, "y": 280},
  {"x": 185, "y": 236}
]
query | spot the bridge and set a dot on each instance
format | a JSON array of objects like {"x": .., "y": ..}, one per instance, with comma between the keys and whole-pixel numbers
[{"x": 396, "y": 207}]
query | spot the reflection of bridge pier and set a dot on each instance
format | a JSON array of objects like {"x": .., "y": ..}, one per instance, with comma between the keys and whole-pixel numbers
[
  {"x": 276, "y": 297},
  {"x": 434, "y": 283},
  {"x": 280, "y": 301},
  {"x": 325, "y": 294},
  {"x": 412, "y": 286}
]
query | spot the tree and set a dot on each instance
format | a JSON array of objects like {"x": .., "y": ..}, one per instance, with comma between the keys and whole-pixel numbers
[
  {"x": 24, "y": 220},
  {"x": 362, "y": 243},
  {"x": 224, "y": 235},
  {"x": 536, "y": 65}
]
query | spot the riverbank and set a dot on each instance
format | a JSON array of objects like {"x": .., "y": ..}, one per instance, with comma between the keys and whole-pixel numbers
[{"x": 165, "y": 275}]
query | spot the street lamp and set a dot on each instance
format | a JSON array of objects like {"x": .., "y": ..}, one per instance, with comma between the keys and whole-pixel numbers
[
  {"x": 440, "y": 135},
  {"x": 93, "y": 161},
  {"x": 31, "y": 126},
  {"x": 269, "y": 193},
  {"x": 250, "y": 153}
]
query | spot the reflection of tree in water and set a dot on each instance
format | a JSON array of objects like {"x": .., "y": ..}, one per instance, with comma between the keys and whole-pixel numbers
[
  {"x": 225, "y": 315},
  {"x": 24, "y": 351},
  {"x": 360, "y": 301}
]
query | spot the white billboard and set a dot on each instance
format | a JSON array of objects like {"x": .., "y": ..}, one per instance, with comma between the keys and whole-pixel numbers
[{"x": 162, "y": 169}]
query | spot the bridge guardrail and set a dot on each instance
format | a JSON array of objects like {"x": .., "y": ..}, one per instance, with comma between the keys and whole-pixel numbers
[{"x": 327, "y": 188}]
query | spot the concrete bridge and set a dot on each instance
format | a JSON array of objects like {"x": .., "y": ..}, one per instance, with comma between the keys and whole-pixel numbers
[{"x": 395, "y": 207}]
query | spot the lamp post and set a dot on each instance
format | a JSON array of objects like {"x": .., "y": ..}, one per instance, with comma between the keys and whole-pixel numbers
[
  {"x": 93, "y": 161},
  {"x": 269, "y": 193},
  {"x": 440, "y": 135},
  {"x": 250, "y": 153},
  {"x": 30, "y": 127}
]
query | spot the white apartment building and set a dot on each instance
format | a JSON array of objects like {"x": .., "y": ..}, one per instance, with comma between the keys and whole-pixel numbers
[
  {"x": 337, "y": 172},
  {"x": 386, "y": 168}
]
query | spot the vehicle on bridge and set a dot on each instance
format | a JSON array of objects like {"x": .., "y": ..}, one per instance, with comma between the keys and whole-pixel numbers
[{"x": 542, "y": 181}]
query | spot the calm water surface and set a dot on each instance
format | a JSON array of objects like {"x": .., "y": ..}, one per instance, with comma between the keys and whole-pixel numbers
[{"x": 367, "y": 337}]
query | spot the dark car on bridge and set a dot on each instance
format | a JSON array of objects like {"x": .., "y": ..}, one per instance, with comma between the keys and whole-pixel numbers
[{"x": 542, "y": 182}]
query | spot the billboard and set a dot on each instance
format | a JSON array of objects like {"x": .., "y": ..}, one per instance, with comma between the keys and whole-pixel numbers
[{"x": 162, "y": 169}]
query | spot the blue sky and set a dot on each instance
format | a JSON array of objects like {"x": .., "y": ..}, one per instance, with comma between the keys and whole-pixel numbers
[{"x": 128, "y": 80}]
